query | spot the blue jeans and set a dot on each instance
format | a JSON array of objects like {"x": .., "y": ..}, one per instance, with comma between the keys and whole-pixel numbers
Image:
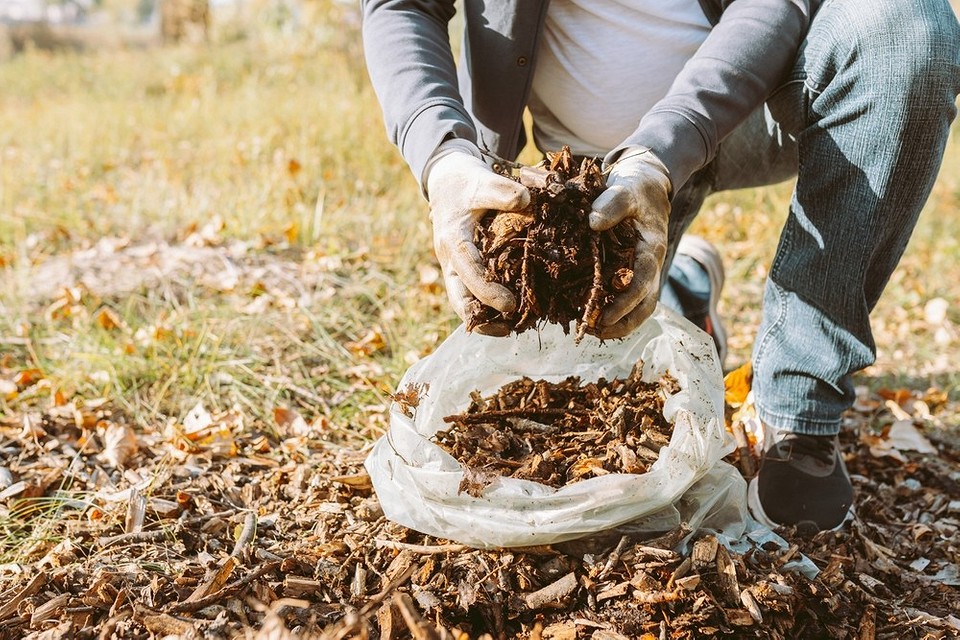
[{"x": 861, "y": 122}]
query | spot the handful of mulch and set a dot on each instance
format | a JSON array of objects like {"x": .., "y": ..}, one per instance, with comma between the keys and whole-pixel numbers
[
  {"x": 559, "y": 269},
  {"x": 559, "y": 433}
]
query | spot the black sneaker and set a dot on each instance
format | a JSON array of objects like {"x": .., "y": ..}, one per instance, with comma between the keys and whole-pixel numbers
[
  {"x": 707, "y": 256},
  {"x": 802, "y": 482}
]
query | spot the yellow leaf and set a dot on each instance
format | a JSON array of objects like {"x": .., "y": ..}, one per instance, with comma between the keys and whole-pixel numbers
[
  {"x": 28, "y": 377},
  {"x": 108, "y": 319},
  {"x": 737, "y": 385},
  {"x": 292, "y": 232},
  {"x": 587, "y": 466}
]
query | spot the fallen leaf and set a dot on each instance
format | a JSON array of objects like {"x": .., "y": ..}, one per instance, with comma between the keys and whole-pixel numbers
[
  {"x": 291, "y": 422},
  {"x": 737, "y": 384},
  {"x": 900, "y": 396},
  {"x": 905, "y": 436},
  {"x": 119, "y": 444},
  {"x": 587, "y": 466},
  {"x": 197, "y": 419},
  {"x": 108, "y": 319},
  {"x": 28, "y": 377},
  {"x": 371, "y": 342}
]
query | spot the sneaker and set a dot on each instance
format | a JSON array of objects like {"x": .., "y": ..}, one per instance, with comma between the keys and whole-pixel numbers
[
  {"x": 802, "y": 482},
  {"x": 707, "y": 256}
]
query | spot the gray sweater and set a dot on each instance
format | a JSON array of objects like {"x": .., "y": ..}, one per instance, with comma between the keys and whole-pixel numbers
[{"x": 748, "y": 53}]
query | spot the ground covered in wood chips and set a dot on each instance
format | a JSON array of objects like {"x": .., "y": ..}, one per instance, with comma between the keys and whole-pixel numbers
[{"x": 210, "y": 529}]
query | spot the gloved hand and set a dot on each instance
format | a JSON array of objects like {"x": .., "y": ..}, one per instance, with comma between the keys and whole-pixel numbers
[
  {"x": 638, "y": 187},
  {"x": 461, "y": 188}
]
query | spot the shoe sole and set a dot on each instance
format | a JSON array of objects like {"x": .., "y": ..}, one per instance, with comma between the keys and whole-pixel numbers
[
  {"x": 706, "y": 254},
  {"x": 756, "y": 510}
]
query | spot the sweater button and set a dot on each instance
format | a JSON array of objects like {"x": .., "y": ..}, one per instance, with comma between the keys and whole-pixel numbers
[{"x": 522, "y": 61}]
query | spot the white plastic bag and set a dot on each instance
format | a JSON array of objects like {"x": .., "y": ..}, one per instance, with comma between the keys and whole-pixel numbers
[{"x": 417, "y": 482}]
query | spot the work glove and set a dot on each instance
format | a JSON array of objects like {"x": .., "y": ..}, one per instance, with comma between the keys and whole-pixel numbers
[
  {"x": 461, "y": 188},
  {"x": 639, "y": 189}
]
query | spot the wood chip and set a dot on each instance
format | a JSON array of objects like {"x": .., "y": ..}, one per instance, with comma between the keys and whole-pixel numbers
[
  {"x": 215, "y": 580},
  {"x": 163, "y": 625},
  {"x": 36, "y": 583},
  {"x": 727, "y": 575},
  {"x": 868, "y": 624},
  {"x": 52, "y": 608},
  {"x": 615, "y": 591},
  {"x": 297, "y": 586},
  {"x": 750, "y": 604},
  {"x": 704, "y": 552},
  {"x": 551, "y": 593}
]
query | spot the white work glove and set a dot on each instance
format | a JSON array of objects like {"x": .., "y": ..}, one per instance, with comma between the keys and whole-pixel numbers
[
  {"x": 638, "y": 187},
  {"x": 461, "y": 188}
]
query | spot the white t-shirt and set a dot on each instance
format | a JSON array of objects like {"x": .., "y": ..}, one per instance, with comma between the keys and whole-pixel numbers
[{"x": 602, "y": 64}]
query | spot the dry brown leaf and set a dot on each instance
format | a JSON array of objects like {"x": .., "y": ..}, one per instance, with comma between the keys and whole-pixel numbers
[
  {"x": 900, "y": 396},
  {"x": 290, "y": 422},
  {"x": 119, "y": 444},
  {"x": 371, "y": 342}
]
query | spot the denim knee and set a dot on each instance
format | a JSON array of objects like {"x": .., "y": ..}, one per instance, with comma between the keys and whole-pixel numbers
[{"x": 908, "y": 48}]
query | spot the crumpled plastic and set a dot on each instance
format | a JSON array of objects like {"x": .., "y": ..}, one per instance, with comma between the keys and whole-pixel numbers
[{"x": 417, "y": 482}]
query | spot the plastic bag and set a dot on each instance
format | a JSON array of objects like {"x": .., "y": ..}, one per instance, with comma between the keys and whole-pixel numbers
[{"x": 417, "y": 482}]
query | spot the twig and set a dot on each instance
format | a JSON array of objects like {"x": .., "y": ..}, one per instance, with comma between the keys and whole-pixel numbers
[
  {"x": 246, "y": 534},
  {"x": 614, "y": 557},
  {"x": 213, "y": 598},
  {"x": 591, "y": 310},
  {"x": 425, "y": 549},
  {"x": 418, "y": 627},
  {"x": 655, "y": 552},
  {"x": 375, "y": 601},
  {"x": 747, "y": 464},
  {"x": 552, "y": 592},
  {"x": 657, "y": 597},
  {"x": 159, "y": 534}
]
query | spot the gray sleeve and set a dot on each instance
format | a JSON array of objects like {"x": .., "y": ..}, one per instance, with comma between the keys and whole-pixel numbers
[
  {"x": 745, "y": 57},
  {"x": 407, "y": 50}
]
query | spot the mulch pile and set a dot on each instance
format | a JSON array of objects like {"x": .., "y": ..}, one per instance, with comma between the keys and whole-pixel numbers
[
  {"x": 236, "y": 530},
  {"x": 558, "y": 433},
  {"x": 559, "y": 269}
]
